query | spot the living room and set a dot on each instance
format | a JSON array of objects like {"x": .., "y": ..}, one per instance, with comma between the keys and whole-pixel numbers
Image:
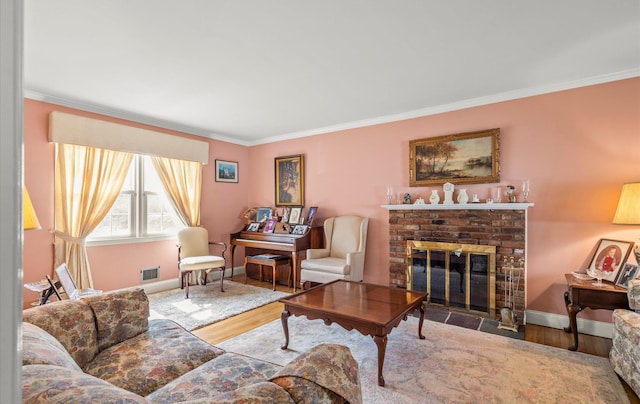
[{"x": 569, "y": 142}]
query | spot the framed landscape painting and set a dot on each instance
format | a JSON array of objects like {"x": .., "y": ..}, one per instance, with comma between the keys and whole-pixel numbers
[
  {"x": 226, "y": 171},
  {"x": 465, "y": 158},
  {"x": 289, "y": 181}
]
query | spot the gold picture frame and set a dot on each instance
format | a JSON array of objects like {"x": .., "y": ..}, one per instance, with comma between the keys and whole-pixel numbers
[
  {"x": 464, "y": 158},
  {"x": 289, "y": 180}
]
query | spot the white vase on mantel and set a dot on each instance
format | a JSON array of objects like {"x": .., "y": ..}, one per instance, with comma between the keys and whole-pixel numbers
[
  {"x": 434, "y": 198},
  {"x": 463, "y": 198}
]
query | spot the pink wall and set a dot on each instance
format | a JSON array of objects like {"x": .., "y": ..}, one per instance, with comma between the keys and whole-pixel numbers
[
  {"x": 577, "y": 147},
  {"x": 118, "y": 266}
]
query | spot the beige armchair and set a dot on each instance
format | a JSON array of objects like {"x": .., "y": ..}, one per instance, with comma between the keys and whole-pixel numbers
[
  {"x": 194, "y": 255},
  {"x": 343, "y": 255}
]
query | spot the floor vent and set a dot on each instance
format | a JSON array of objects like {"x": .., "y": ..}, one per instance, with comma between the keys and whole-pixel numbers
[{"x": 149, "y": 274}]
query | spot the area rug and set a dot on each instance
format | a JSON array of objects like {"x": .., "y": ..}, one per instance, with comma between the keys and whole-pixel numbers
[
  {"x": 206, "y": 304},
  {"x": 452, "y": 365}
]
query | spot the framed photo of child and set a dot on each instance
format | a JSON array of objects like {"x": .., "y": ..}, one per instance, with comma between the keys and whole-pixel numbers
[{"x": 609, "y": 257}]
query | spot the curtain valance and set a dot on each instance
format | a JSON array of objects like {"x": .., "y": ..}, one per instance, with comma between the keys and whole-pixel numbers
[{"x": 83, "y": 131}]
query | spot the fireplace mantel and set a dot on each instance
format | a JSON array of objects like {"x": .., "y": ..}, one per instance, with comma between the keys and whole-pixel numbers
[{"x": 463, "y": 206}]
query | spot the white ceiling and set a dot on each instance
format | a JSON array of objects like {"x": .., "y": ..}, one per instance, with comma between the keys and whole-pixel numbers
[{"x": 256, "y": 71}]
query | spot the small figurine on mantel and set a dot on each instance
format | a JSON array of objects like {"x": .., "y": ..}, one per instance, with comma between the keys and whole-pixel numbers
[
  {"x": 511, "y": 193},
  {"x": 407, "y": 198}
]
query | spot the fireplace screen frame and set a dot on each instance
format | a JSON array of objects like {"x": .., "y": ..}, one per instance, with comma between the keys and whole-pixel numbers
[{"x": 456, "y": 248}]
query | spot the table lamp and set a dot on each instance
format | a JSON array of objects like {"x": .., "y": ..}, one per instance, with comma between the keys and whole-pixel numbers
[
  {"x": 29, "y": 217},
  {"x": 628, "y": 211}
]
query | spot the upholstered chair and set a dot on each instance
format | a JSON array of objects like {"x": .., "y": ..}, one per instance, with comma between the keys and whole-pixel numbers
[
  {"x": 343, "y": 255},
  {"x": 194, "y": 255}
]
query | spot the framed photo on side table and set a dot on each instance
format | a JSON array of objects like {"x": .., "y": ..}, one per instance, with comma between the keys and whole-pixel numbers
[
  {"x": 628, "y": 272},
  {"x": 289, "y": 181},
  {"x": 226, "y": 171},
  {"x": 609, "y": 257}
]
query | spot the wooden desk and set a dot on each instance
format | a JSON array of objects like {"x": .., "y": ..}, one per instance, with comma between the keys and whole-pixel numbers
[
  {"x": 373, "y": 310},
  {"x": 581, "y": 294},
  {"x": 258, "y": 242}
]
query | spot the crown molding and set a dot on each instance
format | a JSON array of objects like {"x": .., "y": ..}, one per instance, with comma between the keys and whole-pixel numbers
[{"x": 455, "y": 106}]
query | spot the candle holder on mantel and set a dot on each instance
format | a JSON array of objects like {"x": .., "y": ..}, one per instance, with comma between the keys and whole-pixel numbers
[{"x": 508, "y": 317}]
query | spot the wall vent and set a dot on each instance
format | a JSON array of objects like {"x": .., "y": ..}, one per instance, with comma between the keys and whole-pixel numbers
[{"x": 149, "y": 274}]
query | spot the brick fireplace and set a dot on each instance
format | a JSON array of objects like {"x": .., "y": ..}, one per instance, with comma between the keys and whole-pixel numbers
[{"x": 501, "y": 225}]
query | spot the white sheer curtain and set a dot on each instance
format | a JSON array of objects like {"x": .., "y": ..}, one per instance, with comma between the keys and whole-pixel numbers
[{"x": 87, "y": 183}]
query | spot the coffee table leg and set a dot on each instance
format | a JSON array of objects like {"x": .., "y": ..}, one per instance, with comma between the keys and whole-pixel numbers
[
  {"x": 421, "y": 321},
  {"x": 381, "y": 342},
  {"x": 284, "y": 317}
]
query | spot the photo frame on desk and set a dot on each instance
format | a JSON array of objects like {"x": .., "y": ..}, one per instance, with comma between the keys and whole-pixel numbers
[
  {"x": 263, "y": 214},
  {"x": 270, "y": 226},
  {"x": 609, "y": 256},
  {"x": 255, "y": 226},
  {"x": 311, "y": 214}
]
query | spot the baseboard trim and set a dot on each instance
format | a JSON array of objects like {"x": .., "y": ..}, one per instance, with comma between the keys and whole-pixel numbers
[{"x": 590, "y": 327}]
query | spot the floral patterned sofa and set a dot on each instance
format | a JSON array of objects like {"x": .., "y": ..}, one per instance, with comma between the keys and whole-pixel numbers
[
  {"x": 625, "y": 350},
  {"x": 105, "y": 349}
]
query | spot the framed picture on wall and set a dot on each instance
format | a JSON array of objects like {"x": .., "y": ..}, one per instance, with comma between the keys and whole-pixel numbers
[
  {"x": 289, "y": 180},
  {"x": 226, "y": 171},
  {"x": 465, "y": 158},
  {"x": 609, "y": 257}
]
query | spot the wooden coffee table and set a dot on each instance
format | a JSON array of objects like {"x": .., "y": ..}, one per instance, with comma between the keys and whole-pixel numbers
[{"x": 371, "y": 309}]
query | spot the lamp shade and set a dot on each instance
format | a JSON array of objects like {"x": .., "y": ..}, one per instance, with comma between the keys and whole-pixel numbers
[
  {"x": 628, "y": 211},
  {"x": 28, "y": 213}
]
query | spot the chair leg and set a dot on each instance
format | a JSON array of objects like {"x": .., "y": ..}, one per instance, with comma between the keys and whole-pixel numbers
[
  {"x": 185, "y": 282},
  {"x": 221, "y": 279}
]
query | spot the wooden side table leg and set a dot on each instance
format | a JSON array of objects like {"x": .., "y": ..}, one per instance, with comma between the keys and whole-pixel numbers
[
  {"x": 381, "y": 342},
  {"x": 572, "y": 313},
  {"x": 284, "y": 318}
]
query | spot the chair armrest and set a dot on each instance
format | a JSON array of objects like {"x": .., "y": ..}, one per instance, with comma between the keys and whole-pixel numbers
[
  {"x": 326, "y": 370},
  {"x": 315, "y": 253},
  {"x": 220, "y": 244},
  {"x": 356, "y": 261}
]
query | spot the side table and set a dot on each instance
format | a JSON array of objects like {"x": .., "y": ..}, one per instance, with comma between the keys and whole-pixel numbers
[
  {"x": 581, "y": 294},
  {"x": 45, "y": 289}
]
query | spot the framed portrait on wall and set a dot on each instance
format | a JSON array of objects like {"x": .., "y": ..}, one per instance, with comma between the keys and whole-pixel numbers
[{"x": 289, "y": 180}]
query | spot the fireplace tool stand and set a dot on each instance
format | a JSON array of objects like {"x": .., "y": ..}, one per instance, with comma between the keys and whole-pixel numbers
[{"x": 508, "y": 318}]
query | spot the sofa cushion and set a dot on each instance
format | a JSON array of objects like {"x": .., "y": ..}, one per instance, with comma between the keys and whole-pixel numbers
[
  {"x": 330, "y": 366},
  {"x": 152, "y": 359},
  {"x": 54, "y": 384},
  {"x": 119, "y": 315},
  {"x": 221, "y": 375},
  {"x": 72, "y": 323},
  {"x": 39, "y": 347}
]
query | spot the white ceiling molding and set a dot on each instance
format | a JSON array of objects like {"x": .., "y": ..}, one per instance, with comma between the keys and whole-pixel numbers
[{"x": 506, "y": 96}]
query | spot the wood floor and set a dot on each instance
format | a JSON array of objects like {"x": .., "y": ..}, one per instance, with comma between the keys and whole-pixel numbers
[{"x": 236, "y": 325}]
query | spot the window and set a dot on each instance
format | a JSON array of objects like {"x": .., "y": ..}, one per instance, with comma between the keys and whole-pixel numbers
[{"x": 142, "y": 211}]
